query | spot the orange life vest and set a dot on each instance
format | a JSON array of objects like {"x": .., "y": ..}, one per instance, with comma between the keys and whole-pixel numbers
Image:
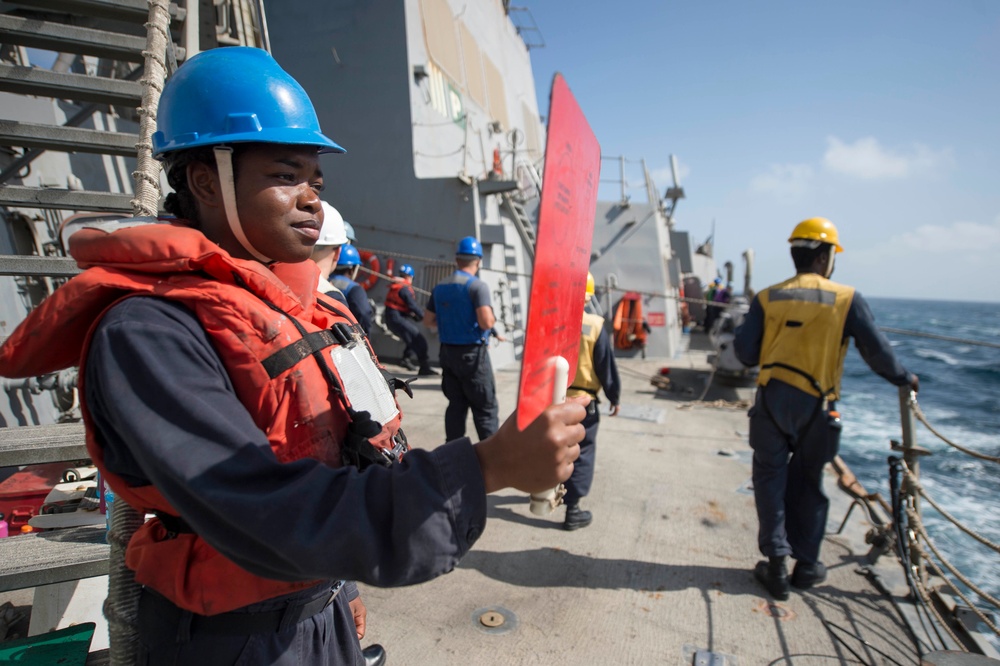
[
  {"x": 290, "y": 399},
  {"x": 629, "y": 331},
  {"x": 393, "y": 301}
]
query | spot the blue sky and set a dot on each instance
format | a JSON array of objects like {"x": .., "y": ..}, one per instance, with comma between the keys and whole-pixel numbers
[{"x": 882, "y": 116}]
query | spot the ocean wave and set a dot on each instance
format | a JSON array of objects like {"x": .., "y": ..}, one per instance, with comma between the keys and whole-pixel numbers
[{"x": 936, "y": 355}]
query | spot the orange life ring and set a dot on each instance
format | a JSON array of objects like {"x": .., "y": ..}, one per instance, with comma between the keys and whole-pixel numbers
[{"x": 371, "y": 262}]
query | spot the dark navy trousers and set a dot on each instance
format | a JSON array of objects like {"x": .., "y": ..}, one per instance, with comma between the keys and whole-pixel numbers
[
  {"x": 467, "y": 381},
  {"x": 328, "y": 638},
  {"x": 578, "y": 484},
  {"x": 792, "y": 441},
  {"x": 406, "y": 330}
]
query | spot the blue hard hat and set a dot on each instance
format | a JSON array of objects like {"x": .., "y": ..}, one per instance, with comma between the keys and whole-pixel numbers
[
  {"x": 406, "y": 270},
  {"x": 348, "y": 256},
  {"x": 235, "y": 94},
  {"x": 470, "y": 246},
  {"x": 351, "y": 238}
]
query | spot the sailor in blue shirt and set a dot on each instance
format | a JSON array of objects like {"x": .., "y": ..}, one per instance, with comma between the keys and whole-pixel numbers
[
  {"x": 460, "y": 309},
  {"x": 354, "y": 294}
]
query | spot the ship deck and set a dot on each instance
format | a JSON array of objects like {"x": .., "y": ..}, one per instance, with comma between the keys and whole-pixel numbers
[{"x": 663, "y": 575}]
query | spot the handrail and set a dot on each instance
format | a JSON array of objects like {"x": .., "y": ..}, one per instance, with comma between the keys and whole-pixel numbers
[{"x": 916, "y": 544}]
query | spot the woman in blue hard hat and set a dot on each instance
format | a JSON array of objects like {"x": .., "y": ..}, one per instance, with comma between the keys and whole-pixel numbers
[
  {"x": 354, "y": 294},
  {"x": 214, "y": 397}
]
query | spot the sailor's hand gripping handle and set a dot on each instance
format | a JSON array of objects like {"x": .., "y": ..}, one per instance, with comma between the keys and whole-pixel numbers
[{"x": 544, "y": 503}]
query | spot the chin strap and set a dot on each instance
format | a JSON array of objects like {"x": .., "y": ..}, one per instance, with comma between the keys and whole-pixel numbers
[{"x": 224, "y": 163}]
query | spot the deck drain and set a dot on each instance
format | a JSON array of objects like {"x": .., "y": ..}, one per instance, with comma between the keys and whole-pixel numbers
[
  {"x": 494, "y": 620},
  {"x": 776, "y": 611}
]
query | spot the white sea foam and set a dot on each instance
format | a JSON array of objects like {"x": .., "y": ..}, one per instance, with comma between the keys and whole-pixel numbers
[{"x": 937, "y": 355}]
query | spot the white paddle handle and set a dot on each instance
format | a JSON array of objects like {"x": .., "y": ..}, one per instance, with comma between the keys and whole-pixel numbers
[{"x": 545, "y": 503}]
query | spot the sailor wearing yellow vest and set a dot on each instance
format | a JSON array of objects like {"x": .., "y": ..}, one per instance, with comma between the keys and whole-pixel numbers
[
  {"x": 798, "y": 331},
  {"x": 596, "y": 369}
]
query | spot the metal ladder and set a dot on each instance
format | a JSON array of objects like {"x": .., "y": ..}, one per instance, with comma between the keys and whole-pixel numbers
[
  {"x": 522, "y": 223},
  {"x": 68, "y": 144},
  {"x": 106, "y": 37}
]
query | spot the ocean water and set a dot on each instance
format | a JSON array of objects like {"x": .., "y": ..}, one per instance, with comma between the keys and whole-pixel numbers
[{"x": 960, "y": 396}]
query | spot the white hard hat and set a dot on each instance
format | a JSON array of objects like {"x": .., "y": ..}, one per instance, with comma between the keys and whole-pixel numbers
[{"x": 332, "y": 232}]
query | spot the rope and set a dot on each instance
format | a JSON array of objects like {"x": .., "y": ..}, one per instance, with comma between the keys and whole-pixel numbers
[
  {"x": 930, "y": 605},
  {"x": 121, "y": 608},
  {"x": 147, "y": 174},
  {"x": 923, "y": 493},
  {"x": 934, "y": 336},
  {"x": 923, "y": 419},
  {"x": 390, "y": 278},
  {"x": 918, "y": 525},
  {"x": 982, "y": 616}
]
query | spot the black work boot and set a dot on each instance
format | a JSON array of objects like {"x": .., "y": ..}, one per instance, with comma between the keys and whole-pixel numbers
[
  {"x": 408, "y": 363},
  {"x": 576, "y": 517},
  {"x": 427, "y": 371},
  {"x": 374, "y": 655},
  {"x": 773, "y": 574},
  {"x": 806, "y": 575}
]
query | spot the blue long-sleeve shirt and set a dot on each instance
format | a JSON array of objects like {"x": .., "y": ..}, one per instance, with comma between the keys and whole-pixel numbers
[
  {"x": 606, "y": 368},
  {"x": 873, "y": 346},
  {"x": 166, "y": 414},
  {"x": 410, "y": 301}
]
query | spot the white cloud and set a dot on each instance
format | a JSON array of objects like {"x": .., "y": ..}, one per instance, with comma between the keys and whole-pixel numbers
[
  {"x": 967, "y": 237},
  {"x": 867, "y": 159},
  {"x": 785, "y": 181}
]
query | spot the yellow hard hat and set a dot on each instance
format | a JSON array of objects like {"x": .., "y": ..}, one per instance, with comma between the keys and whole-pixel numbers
[
  {"x": 590, "y": 284},
  {"x": 816, "y": 229}
]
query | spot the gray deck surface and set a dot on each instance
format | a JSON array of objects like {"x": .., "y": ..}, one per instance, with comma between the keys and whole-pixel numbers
[
  {"x": 661, "y": 574},
  {"x": 663, "y": 571}
]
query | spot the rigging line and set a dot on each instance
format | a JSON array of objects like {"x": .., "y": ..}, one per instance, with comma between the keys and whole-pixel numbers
[
  {"x": 933, "y": 616},
  {"x": 390, "y": 278},
  {"x": 934, "y": 336},
  {"x": 438, "y": 262},
  {"x": 903, "y": 546},
  {"x": 454, "y": 152},
  {"x": 923, "y": 493},
  {"x": 958, "y": 574},
  {"x": 872, "y": 577},
  {"x": 972, "y": 606},
  {"x": 915, "y": 408},
  {"x": 860, "y": 639}
]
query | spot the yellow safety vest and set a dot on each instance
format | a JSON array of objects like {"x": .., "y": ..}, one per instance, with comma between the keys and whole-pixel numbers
[
  {"x": 586, "y": 381},
  {"x": 804, "y": 343}
]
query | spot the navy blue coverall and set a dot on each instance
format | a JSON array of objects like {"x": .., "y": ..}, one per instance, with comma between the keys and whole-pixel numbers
[
  {"x": 578, "y": 484},
  {"x": 166, "y": 414},
  {"x": 357, "y": 300},
  {"x": 791, "y": 506},
  {"x": 466, "y": 372},
  {"x": 404, "y": 327}
]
